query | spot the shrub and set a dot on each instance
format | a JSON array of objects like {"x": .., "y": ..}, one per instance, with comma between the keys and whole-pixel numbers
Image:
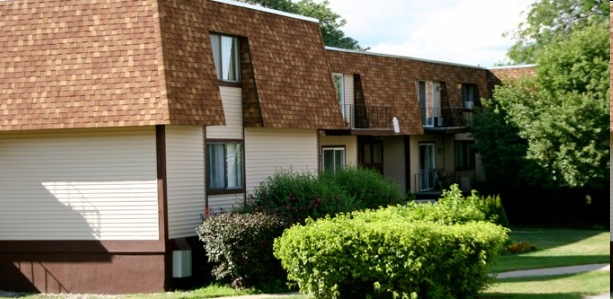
[
  {"x": 382, "y": 254},
  {"x": 493, "y": 209},
  {"x": 294, "y": 197},
  {"x": 369, "y": 188},
  {"x": 240, "y": 248}
]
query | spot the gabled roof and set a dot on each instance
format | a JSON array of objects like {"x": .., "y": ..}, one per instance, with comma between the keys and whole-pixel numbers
[{"x": 82, "y": 63}]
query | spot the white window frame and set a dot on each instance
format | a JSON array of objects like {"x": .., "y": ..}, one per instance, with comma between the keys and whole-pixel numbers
[
  {"x": 336, "y": 165},
  {"x": 225, "y": 167},
  {"x": 226, "y": 56}
]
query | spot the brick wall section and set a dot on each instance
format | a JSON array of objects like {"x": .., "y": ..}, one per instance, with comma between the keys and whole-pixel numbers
[
  {"x": 79, "y": 64},
  {"x": 290, "y": 75},
  {"x": 390, "y": 81}
]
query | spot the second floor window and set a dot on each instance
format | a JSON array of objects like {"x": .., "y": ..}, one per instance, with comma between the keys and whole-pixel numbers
[{"x": 226, "y": 57}]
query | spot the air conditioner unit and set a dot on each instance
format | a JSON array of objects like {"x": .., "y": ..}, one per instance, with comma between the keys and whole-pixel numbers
[{"x": 181, "y": 263}]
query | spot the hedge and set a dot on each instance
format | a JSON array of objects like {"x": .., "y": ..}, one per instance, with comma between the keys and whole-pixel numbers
[{"x": 364, "y": 254}]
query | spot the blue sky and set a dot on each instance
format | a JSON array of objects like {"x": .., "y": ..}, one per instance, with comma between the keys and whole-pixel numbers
[{"x": 458, "y": 31}]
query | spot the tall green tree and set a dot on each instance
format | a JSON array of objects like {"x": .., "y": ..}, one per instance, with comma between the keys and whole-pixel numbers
[
  {"x": 330, "y": 22},
  {"x": 561, "y": 114},
  {"x": 548, "y": 20}
]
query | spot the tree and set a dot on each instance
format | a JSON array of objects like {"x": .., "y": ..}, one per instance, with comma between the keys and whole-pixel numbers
[
  {"x": 329, "y": 21},
  {"x": 560, "y": 114},
  {"x": 548, "y": 20}
]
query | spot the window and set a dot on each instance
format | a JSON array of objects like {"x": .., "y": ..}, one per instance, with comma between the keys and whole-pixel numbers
[
  {"x": 339, "y": 84},
  {"x": 225, "y": 165},
  {"x": 333, "y": 158},
  {"x": 470, "y": 93},
  {"x": 464, "y": 154},
  {"x": 226, "y": 57}
]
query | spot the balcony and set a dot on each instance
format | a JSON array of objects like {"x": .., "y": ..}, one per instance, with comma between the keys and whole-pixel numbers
[
  {"x": 366, "y": 117},
  {"x": 437, "y": 119}
]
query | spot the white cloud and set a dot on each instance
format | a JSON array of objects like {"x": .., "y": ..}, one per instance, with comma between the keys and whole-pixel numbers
[{"x": 460, "y": 31}]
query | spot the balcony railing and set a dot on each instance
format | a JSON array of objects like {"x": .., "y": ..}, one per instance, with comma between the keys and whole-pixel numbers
[
  {"x": 367, "y": 117},
  {"x": 439, "y": 179},
  {"x": 446, "y": 117}
]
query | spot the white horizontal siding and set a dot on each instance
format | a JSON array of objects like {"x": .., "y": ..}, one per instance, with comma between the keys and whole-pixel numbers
[
  {"x": 349, "y": 89},
  {"x": 185, "y": 184},
  {"x": 349, "y": 142},
  {"x": 269, "y": 150},
  {"x": 91, "y": 184},
  {"x": 231, "y": 98},
  {"x": 226, "y": 202}
]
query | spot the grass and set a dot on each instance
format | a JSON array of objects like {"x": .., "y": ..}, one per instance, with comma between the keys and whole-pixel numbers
[
  {"x": 575, "y": 286},
  {"x": 554, "y": 247}
]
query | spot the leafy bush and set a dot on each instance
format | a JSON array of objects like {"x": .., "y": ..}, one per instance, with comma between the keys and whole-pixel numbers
[
  {"x": 370, "y": 189},
  {"x": 383, "y": 254},
  {"x": 493, "y": 209},
  {"x": 240, "y": 248},
  {"x": 296, "y": 196}
]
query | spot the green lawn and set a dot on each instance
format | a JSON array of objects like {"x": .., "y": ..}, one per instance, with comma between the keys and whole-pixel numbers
[
  {"x": 575, "y": 286},
  {"x": 554, "y": 247},
  {"x": 557, "y": 247}
]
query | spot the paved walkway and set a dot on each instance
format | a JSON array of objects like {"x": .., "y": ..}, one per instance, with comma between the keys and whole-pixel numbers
[{"x": 510, "y": 274}]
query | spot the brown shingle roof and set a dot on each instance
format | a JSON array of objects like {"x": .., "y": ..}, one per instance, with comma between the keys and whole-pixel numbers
[
  {"x": 81, "y": 63},
  {"x": 69, "y": 64},
  {"x": 390, "y": 81},
  {"x": 292, "y": 78}
]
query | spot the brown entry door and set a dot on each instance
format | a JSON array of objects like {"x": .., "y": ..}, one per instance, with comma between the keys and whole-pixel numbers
[{"x": 371, "y": 154}]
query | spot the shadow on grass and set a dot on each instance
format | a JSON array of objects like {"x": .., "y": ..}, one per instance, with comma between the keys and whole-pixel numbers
[
  {"x": 547, "y": 238},
  {"x": 512, "y": 263},
  {"x": 533, "y": 296}
]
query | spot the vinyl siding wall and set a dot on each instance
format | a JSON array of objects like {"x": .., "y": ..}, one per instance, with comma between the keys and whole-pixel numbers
[
  {"x": 268, "y": 150},
  {"x": 231, "y": 98},
  {"x": 94, "y": 184},
  {"x": 185, "y": 184}
]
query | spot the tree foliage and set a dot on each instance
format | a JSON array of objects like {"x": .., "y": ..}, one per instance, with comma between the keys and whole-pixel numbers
[
  {"x": 558, "y": 118},
  {"x": 549, "y": 20},
  {"x": 329, "y": 21}
]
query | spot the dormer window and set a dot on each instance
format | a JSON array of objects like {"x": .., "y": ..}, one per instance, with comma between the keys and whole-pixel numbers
[
  {"x": 226, "y": 56},
  {"x": 470, "y": 93}
]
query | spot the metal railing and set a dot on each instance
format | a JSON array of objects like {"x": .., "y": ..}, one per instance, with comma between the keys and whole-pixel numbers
[
  {"x": 446, "y": 117},
  {"x": 438, "y": 179},
  {"x": 367, "y": 117}
]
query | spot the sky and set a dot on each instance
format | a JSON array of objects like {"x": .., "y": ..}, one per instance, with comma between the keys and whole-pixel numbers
[{"x": 458, "y": 31}]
